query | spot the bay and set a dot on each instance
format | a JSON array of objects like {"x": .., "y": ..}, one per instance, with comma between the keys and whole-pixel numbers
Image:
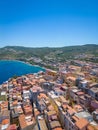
[{"x": 9, "y": 68}]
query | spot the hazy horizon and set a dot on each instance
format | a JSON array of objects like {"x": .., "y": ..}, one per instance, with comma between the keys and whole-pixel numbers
[{"x": 45, "y": 46}]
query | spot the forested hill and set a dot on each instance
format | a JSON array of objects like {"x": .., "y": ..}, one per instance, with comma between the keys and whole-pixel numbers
[{"x": 19, "y": 52}]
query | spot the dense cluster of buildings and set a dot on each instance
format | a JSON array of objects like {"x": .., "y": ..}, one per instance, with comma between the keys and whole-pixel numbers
[{"x": 63, "y": 100}]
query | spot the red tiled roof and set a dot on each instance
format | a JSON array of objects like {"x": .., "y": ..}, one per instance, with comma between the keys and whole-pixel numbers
[
  {"x": 42, "y": 95},
  {"x": 91, "y": 127},
  {"x": 22, "y": 121},
  {"x": 57, "y": 129},
  {"x": 81, "y": 123},
  {"x": 6, "y": 121}
]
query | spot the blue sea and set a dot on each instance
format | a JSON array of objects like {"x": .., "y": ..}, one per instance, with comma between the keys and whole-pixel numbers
[{"x": 10, "y": 68}]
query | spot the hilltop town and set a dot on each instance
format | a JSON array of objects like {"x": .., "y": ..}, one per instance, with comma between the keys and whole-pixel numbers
[{"x": 66, "y": 99}]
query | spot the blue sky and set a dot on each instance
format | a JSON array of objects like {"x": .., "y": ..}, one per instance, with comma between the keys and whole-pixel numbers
[{"x": 54, "y": 23}]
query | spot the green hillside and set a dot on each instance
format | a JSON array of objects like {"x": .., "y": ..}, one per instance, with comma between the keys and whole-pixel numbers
[{"x": 64, "y": 53}]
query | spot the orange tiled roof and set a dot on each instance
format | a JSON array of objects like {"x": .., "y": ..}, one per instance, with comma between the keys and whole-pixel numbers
[
  {"x": 22, "y": 121},
  {"x": 90, "y": 127},
  {"x": 81, "y": 123},
  {"x": 71, "y": 111},
  {"x": 36, "y": 113},
  {"x": 6, "y": 121},
  {"x": 15, "y": 102},
  {"x": 57, "y": 129},
  {"x": 71, "y": 78},
  {"x": 42, "y": 95}
]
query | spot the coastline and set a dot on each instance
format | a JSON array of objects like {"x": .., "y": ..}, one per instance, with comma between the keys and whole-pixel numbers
[
  {"x": 23, "y": 71},
  {"x": 23, "y": 62}
]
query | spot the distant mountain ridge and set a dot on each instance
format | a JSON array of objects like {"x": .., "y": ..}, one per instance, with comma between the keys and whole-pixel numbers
[{"x": 19, "y": 52}]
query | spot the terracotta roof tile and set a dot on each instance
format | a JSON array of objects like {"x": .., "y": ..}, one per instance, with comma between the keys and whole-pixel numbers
[
  {"x": 90, "y": 127},
  {"x": 6, "y": 121},
  {"x": 22, "y": 121},
  {"x": 71, "y": 111},
  {"x": 42, "y": 95},
  {"x": 36, "y": 113},
  {"x": 81, "y": 123},
  {"x": 57, "y": 129}
]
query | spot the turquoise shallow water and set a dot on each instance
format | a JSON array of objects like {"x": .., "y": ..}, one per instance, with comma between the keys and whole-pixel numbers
[{"x": 10, "y": 68}]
